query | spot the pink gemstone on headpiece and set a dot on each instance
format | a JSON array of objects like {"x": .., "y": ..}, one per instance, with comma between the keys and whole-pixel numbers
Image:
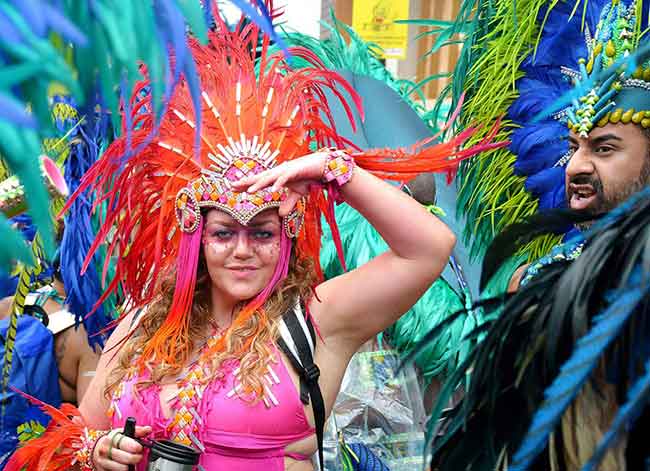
[
  {"x": 231, "y": 174},
  {"x": 268, "y": 197},
  {"x": 206, "y": 196},
  {"x": 188, "y": 219},
  {"x": 223, "y": 199}
]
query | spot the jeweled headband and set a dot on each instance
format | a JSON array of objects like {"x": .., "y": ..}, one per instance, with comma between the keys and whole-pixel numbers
[{"x": 213, "y": 189}]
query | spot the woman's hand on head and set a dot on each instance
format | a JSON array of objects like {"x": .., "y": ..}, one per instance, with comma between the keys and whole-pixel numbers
[
  {"x": 296, "y": 176},
  {"x": 115, "y": 451}
]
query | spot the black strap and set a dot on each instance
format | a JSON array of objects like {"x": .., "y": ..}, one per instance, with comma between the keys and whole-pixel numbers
[
  {"x": 307, "y": 371},
  {"x": 38, "y": 312},
  {"x": 303, "y": 349}
]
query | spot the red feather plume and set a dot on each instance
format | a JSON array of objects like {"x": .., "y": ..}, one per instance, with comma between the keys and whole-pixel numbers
[
  {"x": 138, "y": 177},
  {"x": 54, "y": 450}
]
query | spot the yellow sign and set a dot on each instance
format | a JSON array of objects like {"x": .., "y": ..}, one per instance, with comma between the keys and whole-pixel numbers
[{"x": 374, "y": 21}]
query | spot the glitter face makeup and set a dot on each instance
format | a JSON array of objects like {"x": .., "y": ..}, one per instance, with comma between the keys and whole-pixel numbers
[{"x": 241, "y": 259}]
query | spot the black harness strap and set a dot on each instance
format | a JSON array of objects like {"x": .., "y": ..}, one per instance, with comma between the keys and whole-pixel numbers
[{"x": 299, "y": 351}]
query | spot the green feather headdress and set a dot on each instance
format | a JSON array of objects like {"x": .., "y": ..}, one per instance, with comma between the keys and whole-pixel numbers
[{"x": 518, "y": 60}]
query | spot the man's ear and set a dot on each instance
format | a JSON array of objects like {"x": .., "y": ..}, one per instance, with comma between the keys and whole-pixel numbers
[{"x": 515, "y": 281}]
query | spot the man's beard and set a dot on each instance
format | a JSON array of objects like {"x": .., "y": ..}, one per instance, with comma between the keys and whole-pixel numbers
[{"x": 619, "y": 193}]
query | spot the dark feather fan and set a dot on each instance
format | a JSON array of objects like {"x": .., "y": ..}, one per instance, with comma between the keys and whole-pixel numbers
[{"x": 577, "y": 324}]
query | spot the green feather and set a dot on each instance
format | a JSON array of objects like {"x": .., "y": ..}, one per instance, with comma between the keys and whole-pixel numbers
[
  {"x": 10, "y": 238},
  {"x": 499, "y": 35}
]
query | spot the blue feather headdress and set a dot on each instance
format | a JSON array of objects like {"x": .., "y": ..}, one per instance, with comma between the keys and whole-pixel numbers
[
  {"x": 87, "y": 137},
  {"x": 540, "y": 64}
]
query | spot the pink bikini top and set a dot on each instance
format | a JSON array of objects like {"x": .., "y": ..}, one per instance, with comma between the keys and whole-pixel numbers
[{"x": 231, "y": 433}]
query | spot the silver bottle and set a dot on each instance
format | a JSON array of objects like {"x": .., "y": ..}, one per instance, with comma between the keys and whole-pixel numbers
[{"x": 166, "y": 455}]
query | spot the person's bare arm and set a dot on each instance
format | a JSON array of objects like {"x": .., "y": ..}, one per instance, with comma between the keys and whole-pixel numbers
[
  {"x": 94, "y": 404},
  {"x": 5, "y": 306},
  {"x": 88, "y": 358},
  {"x": 359, "y": 304}
]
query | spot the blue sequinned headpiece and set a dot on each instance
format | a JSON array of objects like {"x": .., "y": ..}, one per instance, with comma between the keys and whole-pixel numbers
[{"x": 614, "y": 95}]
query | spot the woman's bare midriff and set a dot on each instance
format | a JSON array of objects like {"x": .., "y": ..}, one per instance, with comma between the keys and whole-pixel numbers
[{"x": 295, "y": 465}]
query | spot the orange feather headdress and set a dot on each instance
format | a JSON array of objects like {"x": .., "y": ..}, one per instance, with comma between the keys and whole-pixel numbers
[{"x": 256, "y": 112}]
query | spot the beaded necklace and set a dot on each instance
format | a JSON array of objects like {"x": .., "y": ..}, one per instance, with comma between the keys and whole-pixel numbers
[{"x": 185, "y": 424}]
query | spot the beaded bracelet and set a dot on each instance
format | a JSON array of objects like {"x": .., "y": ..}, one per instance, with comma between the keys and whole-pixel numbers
[
  {"x": 338, "y": 167},
  {"x": 84, "y": 455},
  {"x": 338, "y": 170}
]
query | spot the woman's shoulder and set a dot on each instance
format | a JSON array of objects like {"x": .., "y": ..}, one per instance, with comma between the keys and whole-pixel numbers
[
  {"x": 124, "y": 326},
  {"x": 123, "y": 331}
]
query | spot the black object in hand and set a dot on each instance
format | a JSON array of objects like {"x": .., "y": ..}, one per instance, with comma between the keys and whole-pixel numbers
[{"x": 129, "y": 431}]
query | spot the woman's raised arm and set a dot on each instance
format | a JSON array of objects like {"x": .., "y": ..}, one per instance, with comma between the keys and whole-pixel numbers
[
  {"x": 361, "y": 303},
  {"x": 357, "y": 305}
]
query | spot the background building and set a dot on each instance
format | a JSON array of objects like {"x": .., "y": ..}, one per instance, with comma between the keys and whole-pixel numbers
[{"x": 305, "y": 16}]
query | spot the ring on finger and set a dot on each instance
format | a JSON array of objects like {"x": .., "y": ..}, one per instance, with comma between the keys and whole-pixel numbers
[
  {"x": 111, "y": 444},
  {"x": 119, "y": 440}
]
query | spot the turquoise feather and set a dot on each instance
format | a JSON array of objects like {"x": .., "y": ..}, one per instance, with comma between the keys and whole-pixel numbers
[{"x": 91, "y": 48}]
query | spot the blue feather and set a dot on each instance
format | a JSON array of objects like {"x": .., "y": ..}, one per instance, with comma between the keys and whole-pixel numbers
[
  {"x": 33, "y": 14},
  {"x": 13, "y": 111},
  {"x": 263, "y": 20},
  {"x": 534, "y": 96},
  {"x": 172, "y": 27},
  {"x": 175, "y": 34},
  {"x": 549, "y": 186},
  {"x": 577, "y": 370},
  {"x": 192, "y": 78},
  {"x": 538, "y": 147},
  {"x": 207, "y": 11},
  {"x": 637, "y": 398},
  {"x": 364, "y": 459},
  {"x": 83, "y": 291},
  {"x": 8, "y": 31},
  {"x": 7, "y": 284},
  {"x": 59, "y": 23}
]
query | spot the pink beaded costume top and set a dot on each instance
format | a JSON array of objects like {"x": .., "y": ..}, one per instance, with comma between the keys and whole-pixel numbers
[{"x": 232, "y": 433}]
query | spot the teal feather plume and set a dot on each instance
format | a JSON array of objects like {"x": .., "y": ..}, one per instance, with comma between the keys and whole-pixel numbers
[{"x": 93, "y": 50}]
